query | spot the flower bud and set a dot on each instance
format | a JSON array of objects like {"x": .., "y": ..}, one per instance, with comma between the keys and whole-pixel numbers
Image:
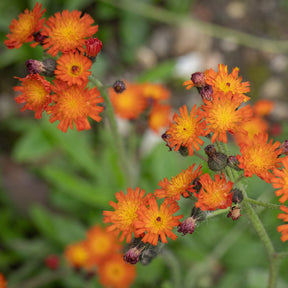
[
  {"x": 197, "y": 184},
  {"x": 187, "y": 226},
  {"x": 198, "y": 78},
  {"x": 233, "y": 163},
  {"x": 119, "y": 86},
  {"x": 52, "y": 262},
  {"x": 234, "y": 213},
  {"x": 45, "y": 67},
  {"x": 217, "y": 161},
  {"x": 183, "y": 151},
  {"x": 206, "y": 92},
  {"x": 93, "y": 47},
  {"x": 39, "y": 38},
  {"x": 237, "y": 196}
]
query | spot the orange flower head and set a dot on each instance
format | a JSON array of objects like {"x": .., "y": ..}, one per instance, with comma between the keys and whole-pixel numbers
[
  {"x": 157, "y": 222},
  {"x": 155, "y": 92},
  {"x": 73, "y": 104},
  {"x": 100, "y": 244},
  {"x": 259, "y": 157},
  {"x": 182, "y": 184},
  {"x": 67, "y": 32},
  {"x": 223, "y": 82},
  {"x": 22, "y": 30},
  {"x": 115, "y": 273},
  {"x": 263, "y": 107},
  {"x": 186, "y": 130},
  {"x": 283, "y": 229},
  {"x": 125, "y": 213},
  {"x": 77, "y": 254},
  {"x": 130, "y": 103},
  {"x": 214, "y": 194},
  {"x": 250, "y": 128},
  {"x": 222, "y": 116},
  {"x": 73, "y": 68},
  {"x": 281, "y": 181},
  {"x": 159, "y": 117},
  {"x": 35, "y": 93},
  {"x": 3, "y": 283}
]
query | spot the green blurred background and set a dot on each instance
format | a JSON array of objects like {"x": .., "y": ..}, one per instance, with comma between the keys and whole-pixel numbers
[{"x": 54, "y": 186}]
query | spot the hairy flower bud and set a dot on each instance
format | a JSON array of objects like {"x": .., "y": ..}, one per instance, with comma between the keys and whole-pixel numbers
[
  {"x": 45, "y": 67},
  {"x": 237, "y": 195},
  {"x": 233, "y": 163},
  {"x": 198, "y": 78},
  {"x": 217, "y": 161},
  {"x": 119, "y": 86},
  {"x": 93, "y": 47},
  {"x": 234, "y": 213},
  {"x": 206, "y": 92}
]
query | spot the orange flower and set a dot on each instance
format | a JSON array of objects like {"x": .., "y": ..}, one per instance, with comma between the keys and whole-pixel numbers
[
  {"x": 73, "y": 104},
  {"x": 259, "y": 157},
  {"x": 77, "y": 254},
  {"x": 130, "y": 103},
  {"x": 186, "y": 130},
  {"x": 182, "y": 184},
  {"x": 22, "y": 30},
  {"x": 67, "y": 32},
  {"x": 3, "y": 283},
  {"x": 263, "y": 107},
  {"x": 155, "y": 92},
  {"x": 73, "y": 68},
  {"x": 100, "y": 244},
  {"x": 222, "y": 116},
  {"x": 249, "y": 129},
  {"x": 223, "y": 82},
  {"x": 125, "y": 213},
  {"x": 115, "y": 273},
  {"x": 283, "y": 228},
  {"x": 159, "y": 117},
  {"x": 35, "y": 92},
  {"x": 157, "y": 222},
  {"x": 214, "y": 194},
  {"x": 281, "y": 181}
]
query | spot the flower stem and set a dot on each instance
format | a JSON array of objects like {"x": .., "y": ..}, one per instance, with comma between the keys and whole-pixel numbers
[
  {"x": 113, "y": 124},
  {"x": 261, "y": 203}
]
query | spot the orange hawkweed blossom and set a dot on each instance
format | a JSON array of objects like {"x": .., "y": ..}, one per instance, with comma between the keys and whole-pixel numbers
[
  {"x": 259, "y": 157},
  {"x": 3, "y": 283},
  {"x": 125, "y": 214},
  {"x": 115, "y": 273},
  {"x": 187, "y": 130},
  {"x": 73, "y": 68},
  {"x": 281, "y": 181},
  {"x": 157, "y": 222},
  {"x": 22, "y": 30},
  {"x": 283, "y": 228},
  {"x": 35, "y": 93},
  {"x": 73, "y": 104},
  {"x": 214, "y": 194},
  {"x": 263, "y": 107},
  {"x": 181, "y": 184},
  {"x": 130, "y": 103},
  {"x": 223, "y": 82},
  {"x": 77, "y": 254},
  {"x": 222, "y": 115},
  {"x": 154, "y": 91},
  {"x": 159, "y": 117},
  {"x": 67, "y": 32},
  {"x": 100, "y": 244}
]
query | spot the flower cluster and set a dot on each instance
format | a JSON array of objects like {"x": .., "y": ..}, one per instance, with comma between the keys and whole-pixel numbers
[
  {"x": 224, "y": 116},
  {"x": 145, "y": 102},
  {"x": 100, "y": 255},
  {"x": 68, "y": 37}
]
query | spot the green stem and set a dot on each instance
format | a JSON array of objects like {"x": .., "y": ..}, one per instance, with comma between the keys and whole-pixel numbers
[
  {"x": 261, "y": 203},
  {"x": 114, "y": 129},
  {"x": 216, "y": 213},
  {"x": 210, "y": 29},
  {"x": 281, "y": 255},
  {"x": 200, "y": 156}
]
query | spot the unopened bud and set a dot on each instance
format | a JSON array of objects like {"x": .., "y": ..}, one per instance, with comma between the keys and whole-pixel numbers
[
  {"x": 119, "y": 86},
  {"x": 93, "y": 47},
  {"x": 198, "y": 78},
  {"x": 233, "y": 163},
  {"x": 183, "y": 151},
  {"x": 187, "y": 226},
  {"x": 166, "y": 137},
  {"x": 237, "y": 196},
  {"x": 206, "y": 92},
  {"x": 234, "y": 213},
  {"x": 217, "y": 161},
  {"x": 52, "y": 262}
]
